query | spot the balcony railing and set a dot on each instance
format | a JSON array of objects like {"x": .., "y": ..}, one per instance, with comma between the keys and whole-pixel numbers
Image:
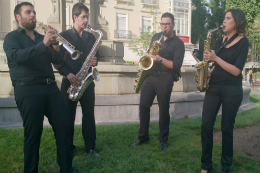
[
  {"x": 181, "y": 4},
  {"x": 123, "y": 34},
  {"x": 149, "y": 1}
]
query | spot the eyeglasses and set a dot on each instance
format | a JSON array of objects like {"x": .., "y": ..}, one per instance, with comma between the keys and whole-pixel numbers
[{"x": 165, "y": 24}]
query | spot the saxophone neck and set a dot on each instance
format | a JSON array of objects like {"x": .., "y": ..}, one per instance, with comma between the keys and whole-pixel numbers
[
  {"x": 213, "y": 30},
  {"x": 163, "y": 33}
]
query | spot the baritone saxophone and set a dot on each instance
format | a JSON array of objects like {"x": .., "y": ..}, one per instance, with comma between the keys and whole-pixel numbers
[{"x": 201, "y": 76}]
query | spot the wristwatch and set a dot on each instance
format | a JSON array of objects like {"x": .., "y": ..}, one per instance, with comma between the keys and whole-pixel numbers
[{"x": 160, "y": 61}]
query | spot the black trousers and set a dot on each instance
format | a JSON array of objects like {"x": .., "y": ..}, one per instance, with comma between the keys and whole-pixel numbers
[
  {"x": 87, "y": 102},
  {"x": 230, "y": 97},
  {"x": 33, "y": 102},
  {"x": 160, "y": 85}
]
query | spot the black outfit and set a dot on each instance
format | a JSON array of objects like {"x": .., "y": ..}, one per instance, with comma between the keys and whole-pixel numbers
[
  {"x": 87, "y": 101},
  {"x": 159, "y": 81},
  {"x": 36, "y": 95},
  {"x": 224, "y": 89},
  {"x": 251, "y": 78}
]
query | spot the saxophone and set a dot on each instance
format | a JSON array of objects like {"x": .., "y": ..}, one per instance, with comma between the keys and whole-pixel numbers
[
  {"x": 201, "y": 77},
  {"x": 85, "y": 77},
  {"x": 146, "y": 62}
]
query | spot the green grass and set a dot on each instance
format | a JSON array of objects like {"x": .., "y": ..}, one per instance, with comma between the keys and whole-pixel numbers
[{"x": 113, "y": 143}]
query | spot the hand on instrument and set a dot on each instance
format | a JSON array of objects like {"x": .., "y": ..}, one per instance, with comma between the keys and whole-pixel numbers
[
  {"x": 93, "y": 61},
  {"x": 156, "y": 57},
  {"x": 210, "y": 71},
  {"x": 210, "y": 55},
  {"x": 74, "y": 80},
  {"x": 50, "y": 37}
]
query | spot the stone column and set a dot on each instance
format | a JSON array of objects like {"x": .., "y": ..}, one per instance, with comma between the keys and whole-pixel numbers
[
  {"x": 58, "y": 20},
  {"x": 111, "y": 52},
  {"x": 1, "y": 35},
  {"x": 97, "y": 21}
]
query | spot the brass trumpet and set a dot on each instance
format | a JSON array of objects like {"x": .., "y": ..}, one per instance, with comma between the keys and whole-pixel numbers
[{"x": 69, "y": 47}]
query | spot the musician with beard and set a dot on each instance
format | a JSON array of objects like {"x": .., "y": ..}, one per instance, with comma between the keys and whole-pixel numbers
[
  {"x": 29, "y": 56},
  {"x": 159, "y": 82}
]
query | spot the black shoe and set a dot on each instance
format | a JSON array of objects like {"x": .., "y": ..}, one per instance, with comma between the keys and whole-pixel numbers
[
  {"x": 140, "y": 142},
  {"x": 163, "y": 146},
  {"x": 93, "y": 153}
]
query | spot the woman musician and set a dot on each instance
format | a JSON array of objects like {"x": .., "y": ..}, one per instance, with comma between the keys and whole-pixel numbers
[{"x": 225, "y": 88}]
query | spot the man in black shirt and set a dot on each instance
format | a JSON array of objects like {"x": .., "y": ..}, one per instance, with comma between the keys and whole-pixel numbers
[
  {"x": 29, "y": 57},
  {"x": 83, "y": 41},
  {"x": 159, "y": 81}
]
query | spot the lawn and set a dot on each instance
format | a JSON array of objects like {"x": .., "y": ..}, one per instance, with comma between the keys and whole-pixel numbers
[{"x": 113, "y": 144}]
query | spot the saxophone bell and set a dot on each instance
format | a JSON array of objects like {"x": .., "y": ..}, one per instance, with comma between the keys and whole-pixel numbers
[{"x": 146, "y": 62}]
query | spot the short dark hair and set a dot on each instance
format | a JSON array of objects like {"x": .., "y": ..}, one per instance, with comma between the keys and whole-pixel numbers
[
  {"x": 240, "y": 20},
  {"x": 167, "y": 14},
  {"x": 77, "y": 9},
  {"x": 17, "y": 9}
]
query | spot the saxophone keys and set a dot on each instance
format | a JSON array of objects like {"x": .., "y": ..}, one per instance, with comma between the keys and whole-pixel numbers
[
  {"x": 136, "y": 80},
  {"x": 199, "y": 65},
  {"x": 140, "y": 70}
]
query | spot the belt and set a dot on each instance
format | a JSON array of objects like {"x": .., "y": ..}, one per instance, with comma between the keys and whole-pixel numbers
[
  {"x": 46, "y": 81},
  {"x": 158, "y": 72}
]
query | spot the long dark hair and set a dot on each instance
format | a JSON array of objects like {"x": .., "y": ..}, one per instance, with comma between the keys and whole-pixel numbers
[{"x": 240, "y": 20}]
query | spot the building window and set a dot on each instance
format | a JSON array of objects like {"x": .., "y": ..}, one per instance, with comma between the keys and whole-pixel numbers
[
  {"x": 181, "y": 21},
  {"x": 148, "y": 1},
  {"x": 146, "y": 22},
  {"x": 181, "y": 3},
  {"x": 121, "y": 25}
]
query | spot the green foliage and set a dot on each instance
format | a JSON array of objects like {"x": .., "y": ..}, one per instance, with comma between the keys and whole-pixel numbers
[
  {"x": 141, "y": 44},
  {"x": 257, "y": 75},
  {"x": 216, "y": 17},
  {"x": 204, "y": 20},
  {"x": 251, "y": 9},
  {"x": 199, "y": 31},
  {"x": 130, "y": 62},
  {"x": 113, "y": 143}
]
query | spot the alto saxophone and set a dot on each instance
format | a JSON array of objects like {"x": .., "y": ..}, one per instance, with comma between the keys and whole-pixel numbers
[
  {"x": 146, "y": 62},
  {"x": 201, "y": 77},
  {"x": 69, "y": 47},
  {"x": 85, "y": 77}
]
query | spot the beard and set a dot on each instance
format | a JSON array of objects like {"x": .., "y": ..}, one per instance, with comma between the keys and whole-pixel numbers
[{"x": 30, "y": 25}]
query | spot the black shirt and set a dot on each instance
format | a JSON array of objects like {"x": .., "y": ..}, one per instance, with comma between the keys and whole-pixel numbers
[
  {"x": 172, "y": 49},
  {"x": 235, "y": 55},
  {"x": 84, "y": 45},
  {"x": 29, "y": 60}
]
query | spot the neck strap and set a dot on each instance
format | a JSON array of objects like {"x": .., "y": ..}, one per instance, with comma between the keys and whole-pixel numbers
[{"x": 227, "y": 42}]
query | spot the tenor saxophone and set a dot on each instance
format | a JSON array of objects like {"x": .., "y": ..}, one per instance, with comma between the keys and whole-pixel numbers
[
  {"x": 146, "y": 62},
  {"x": 76, "y": 91},
  {"x": 201, "y": 77}
]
